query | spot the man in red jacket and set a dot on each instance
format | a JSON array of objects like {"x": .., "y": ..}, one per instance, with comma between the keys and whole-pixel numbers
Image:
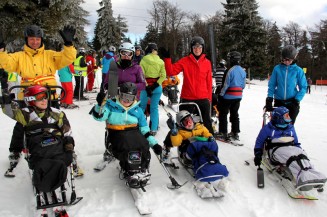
[
  {"x": 91, "y": 67},
  {"x": 197, "y": 82}
]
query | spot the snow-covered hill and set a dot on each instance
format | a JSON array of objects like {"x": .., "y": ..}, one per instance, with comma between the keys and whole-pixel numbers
[{"x": 106, "y": 195}]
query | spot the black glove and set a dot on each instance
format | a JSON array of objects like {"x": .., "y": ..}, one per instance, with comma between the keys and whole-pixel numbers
[
  {"x": 148, "y": 90},
  {"x": 69, "y": 147},
  {"x": 163, "y": 53},
  {"x": 6, "y": 97},
  {"x": 173, "y": 131},
  {"x": 100, "y": 97},
  {"x": 157, "y": 149},
  {"x": 67, "y": 35},
  {"x": 211, "y": 139},
  {"x": 295, "y": 102},
  {"x": 269, "y": 106},
  {"x": 171, "y": 123},
  {"x": 2, "y": 41},
  {"x": 257, "y": 156}
]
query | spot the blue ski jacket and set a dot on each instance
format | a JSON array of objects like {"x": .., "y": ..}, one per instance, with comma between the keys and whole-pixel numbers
[
  {"x": 269, "y": 131},
  {"x": 119, "y": 117},
  {"x": 106, "y": 60},
  {"x": 234, "y": 84},
  {"x": 287, "y": 82}
]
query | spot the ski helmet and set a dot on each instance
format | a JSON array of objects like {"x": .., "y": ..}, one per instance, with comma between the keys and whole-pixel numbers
[
  {"x": 33, "y": 31},
  {"x": 138, "y": 47},
  {"x": 35, "y": 93},
  {"x": 112, "y": 48},
  {"x": 127, "y": 46},
  {"x": 280, "y": 117},
  {"x": 289, "y": 52},
  {"x": 197, "y": 40},
  {"x": 128, "y": 91},
  {"x": 81, "y": 50},
  {"x": 181, "y": 116},
  {"x": 151, "y": 46},
  {"x": 234, "y": 58},
  {"x": 222, "y": 63}
]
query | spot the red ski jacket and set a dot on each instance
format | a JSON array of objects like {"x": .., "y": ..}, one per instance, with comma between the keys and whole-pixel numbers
[{"x": 197, "y": 81}]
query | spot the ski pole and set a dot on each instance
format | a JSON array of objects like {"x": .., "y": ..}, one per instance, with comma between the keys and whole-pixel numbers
[{"x": 172, "y": 179}]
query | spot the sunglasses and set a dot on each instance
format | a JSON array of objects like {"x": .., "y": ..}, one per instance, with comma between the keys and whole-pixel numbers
[
  {"x": 198, "y": 46},
  {"x": 38, "y": 97},
  {"x": 127, "y": 97},
  {"x": 126, "y": 53}
]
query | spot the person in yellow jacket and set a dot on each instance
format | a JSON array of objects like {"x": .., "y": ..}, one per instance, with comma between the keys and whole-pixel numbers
[
  {"x": 36, "y": 66},
  {"x": 170, "y": 89},
  {"x": 154, "y": 72}
]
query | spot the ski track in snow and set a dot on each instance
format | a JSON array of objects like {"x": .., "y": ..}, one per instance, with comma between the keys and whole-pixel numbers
[{"x": 106, "y": 195}]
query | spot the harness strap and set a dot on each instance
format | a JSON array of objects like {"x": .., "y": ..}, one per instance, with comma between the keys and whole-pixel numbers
[{"x": 298, "y": 159}]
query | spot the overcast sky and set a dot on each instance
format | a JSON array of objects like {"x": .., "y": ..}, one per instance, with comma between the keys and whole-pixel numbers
[{"x": 306, "y": 13}]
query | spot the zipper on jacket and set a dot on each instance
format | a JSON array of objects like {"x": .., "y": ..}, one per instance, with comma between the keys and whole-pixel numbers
[{"x": 285, "y": 82}]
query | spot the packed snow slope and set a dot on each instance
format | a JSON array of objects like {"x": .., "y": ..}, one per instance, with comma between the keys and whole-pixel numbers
[{"x": 105, "y": 195}]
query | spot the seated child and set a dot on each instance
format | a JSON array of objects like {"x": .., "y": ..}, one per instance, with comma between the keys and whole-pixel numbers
[
  {"x": 283, "y": 148},
  {"x": 129, "y": 134},
  {"x": 48, "y": 135},
  {"x": 198, "y": 148}
]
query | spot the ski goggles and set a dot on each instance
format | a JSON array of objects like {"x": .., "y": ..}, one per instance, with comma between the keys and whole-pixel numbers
[
  {"x": 126, "y": 53},
  {"x": 287, "y": 59},
  {"x": 287, "y": 118},
  {"x": 38, "y": 97},
  {"x": 197, "y": 46},
  {"x": 127, "y": 97},
  {"x": 188, "y": 120}
]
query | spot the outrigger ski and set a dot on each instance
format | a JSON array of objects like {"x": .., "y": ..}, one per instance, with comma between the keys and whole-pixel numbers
[{"x": 9, "y": 173}]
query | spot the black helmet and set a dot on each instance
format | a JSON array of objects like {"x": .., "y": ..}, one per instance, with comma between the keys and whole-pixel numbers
[
  {"x": 151, "y": 46},
  {"x": 33, "y": 31},
  {"x": 234, "y": 58},
  {"x": 289, "y": 52},
  {"x": 222, "y": 63},
  {"x": 129, "y": 88},
  {"x": 197, "y": 40},
  {"x": 138, "y": 47}
]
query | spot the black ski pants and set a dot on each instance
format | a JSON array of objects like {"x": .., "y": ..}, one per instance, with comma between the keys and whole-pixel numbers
[
  {"x": 204, "y": 105},
  {"x": 229, "y": 106},
  {"x": 79, "y": 85}
]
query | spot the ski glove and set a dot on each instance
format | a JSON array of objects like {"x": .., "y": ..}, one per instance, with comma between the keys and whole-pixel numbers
[
  {"x": 173, "y": 132},
  {"x": 269, "y": 106},
  {"x": 67, "y": 35},
  {"x": 163, "y": 52},
  {"x": 257, "y": 156},
  {"x": 6, "y": 97},
  {"x": 171, "y": 123},
  {"x": 100, "y": 97},
  {"x": 157, "y": 149}
]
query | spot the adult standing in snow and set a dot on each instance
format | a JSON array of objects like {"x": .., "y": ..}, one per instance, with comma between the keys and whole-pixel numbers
[
  {"x": 66, "y": 80},
  {"x": 230, "y": 97},
  {"x": 138, "y": 54},
  {"x": 197, "y": 82},
  {"x": 35, "y": 65},
  {"x": 309, "y": 83},
  {"x": 91, "y": 67},
  {"x": 287, "y": 84},
  {"x": 105, "y": 62},
  {"x": 80, "y": 67},
  {"x": 284, "y": 148},
  {"x": 155, "y": 73}
]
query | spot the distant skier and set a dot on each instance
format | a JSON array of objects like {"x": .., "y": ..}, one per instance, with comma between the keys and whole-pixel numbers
[
  {"x": 284, "y": 149},
  {"x": 129, "y": 134},
  {"x": 197, "y": 149}
]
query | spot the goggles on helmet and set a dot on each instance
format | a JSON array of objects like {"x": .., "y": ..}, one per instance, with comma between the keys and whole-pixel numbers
[
  {"x": 38, "y": 97},
  {"x": 127, "y": 97},
  {"x": 197, "y": 46},
  {"x": 126, "y": 53}
]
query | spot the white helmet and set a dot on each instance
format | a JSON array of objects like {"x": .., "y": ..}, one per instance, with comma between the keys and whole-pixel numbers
[
  {"x": 127, "y": 46},
  {"x": 112, "y": 48}
]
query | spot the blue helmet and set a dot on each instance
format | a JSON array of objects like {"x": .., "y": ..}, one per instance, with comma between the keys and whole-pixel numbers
[{"x": 278, "y": 117}]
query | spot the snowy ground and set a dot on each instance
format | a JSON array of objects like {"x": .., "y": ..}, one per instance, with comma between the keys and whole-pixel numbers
[{"x": 106, "y": 195}]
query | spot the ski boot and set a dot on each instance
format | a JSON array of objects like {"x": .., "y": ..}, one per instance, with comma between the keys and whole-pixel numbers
[
  {"x": 107, "y": 155},
  {"x": 78, "y": 172},
  {"x": 138, "y": 180},
  {"x": 222, "y": 137},
  {"x": 233, "y": 136}
]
